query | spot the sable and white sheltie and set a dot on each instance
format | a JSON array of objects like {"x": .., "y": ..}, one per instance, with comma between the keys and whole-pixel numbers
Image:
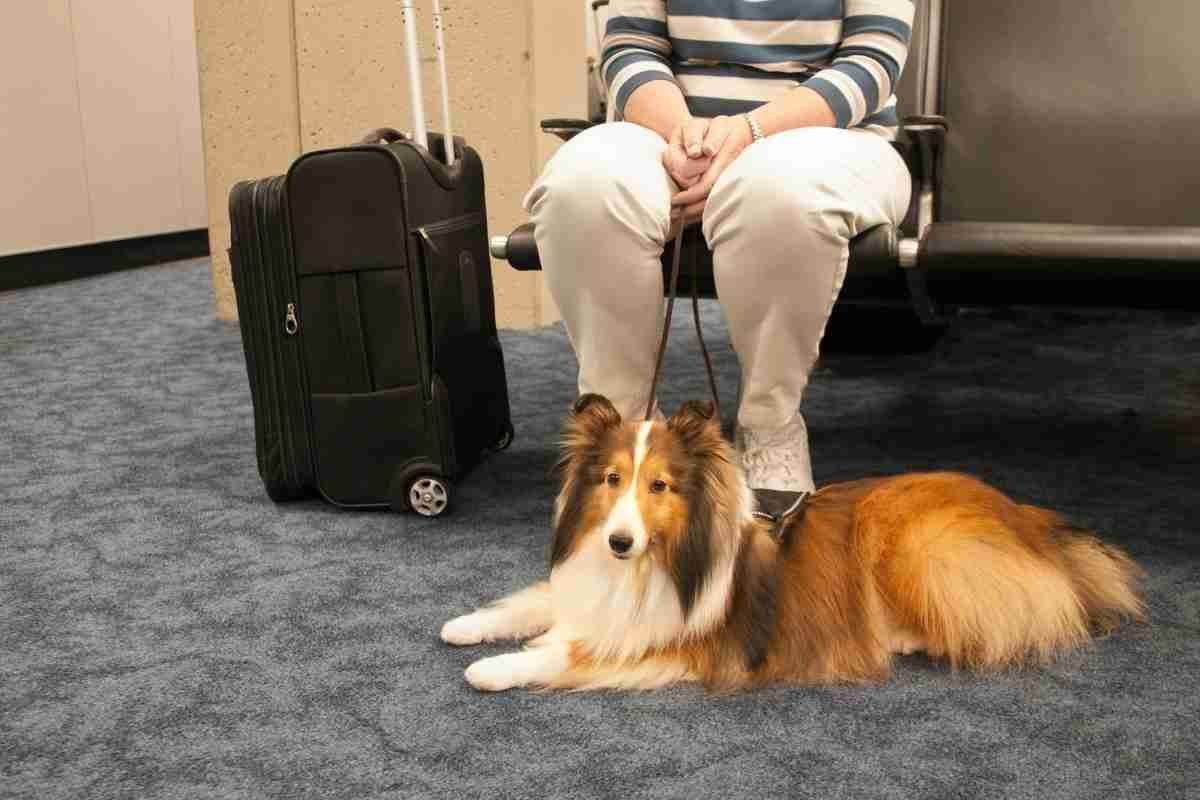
[{"x": 660, "y": 572}]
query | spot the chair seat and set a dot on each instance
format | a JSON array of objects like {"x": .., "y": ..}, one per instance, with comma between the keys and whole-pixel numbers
[{"x": 1048, "y": 263}]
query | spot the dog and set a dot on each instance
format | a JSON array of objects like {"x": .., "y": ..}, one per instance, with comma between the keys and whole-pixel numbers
[{"x": 661, "y": 573}]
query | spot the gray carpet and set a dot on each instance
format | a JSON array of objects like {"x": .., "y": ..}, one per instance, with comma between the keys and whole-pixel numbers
[{"x": 166, "y": 631}]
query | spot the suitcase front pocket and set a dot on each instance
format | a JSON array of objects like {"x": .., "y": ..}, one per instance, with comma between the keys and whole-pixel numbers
[
  {"x": 466, "y": 352},
  {"x": 361, "y": 331},
  {"x": 361, "y": 440},
  {"x": 453, "y": 251}
]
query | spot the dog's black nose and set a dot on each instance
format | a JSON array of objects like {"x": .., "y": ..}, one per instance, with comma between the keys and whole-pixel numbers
[{"x": 620, "y": 542}]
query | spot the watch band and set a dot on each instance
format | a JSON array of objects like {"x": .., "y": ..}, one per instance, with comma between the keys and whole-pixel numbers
[{"x": 755, "y": 128}]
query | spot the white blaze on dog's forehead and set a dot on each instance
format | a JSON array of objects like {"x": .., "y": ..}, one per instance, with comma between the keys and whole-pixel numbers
[
  {"x": 626, "y": 515},
  {"x": 642, "y": 446}
]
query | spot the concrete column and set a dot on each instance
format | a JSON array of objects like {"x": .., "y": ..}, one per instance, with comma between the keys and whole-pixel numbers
[
  {"x": 249, "y": 109},
  {"x": 559, "y": 47}
]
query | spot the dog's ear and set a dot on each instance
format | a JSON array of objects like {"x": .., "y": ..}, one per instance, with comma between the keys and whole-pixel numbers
[
  {"x": 590, "y": 418},
  {"x": 695, "y": 420},
  {"x": 593, "y": 414},
  {"x": 581, "y": 447},
  {"x": 699, "y": 431}
]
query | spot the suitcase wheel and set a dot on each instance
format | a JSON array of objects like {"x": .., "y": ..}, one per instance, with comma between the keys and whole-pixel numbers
[
  {"x": 428, "y": 495},
  {"x": 505, "y": 439}
]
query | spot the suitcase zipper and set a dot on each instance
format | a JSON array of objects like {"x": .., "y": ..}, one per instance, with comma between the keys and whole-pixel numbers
[
  {"x": 271, "y": 295},
  {"x": 426, "y": 232},
  {"x": 267, "y": 222},
  {"x": 287, "y": 291},
  {"x": 248, "y": 272},
  {"x": 270, "y": 378}
]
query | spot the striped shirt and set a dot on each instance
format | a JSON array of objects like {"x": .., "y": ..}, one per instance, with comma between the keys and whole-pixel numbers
[{"x": 729, "y": 56}]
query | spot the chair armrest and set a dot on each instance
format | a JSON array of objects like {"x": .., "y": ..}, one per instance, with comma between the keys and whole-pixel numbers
[
  {"x": 921, "y": 120},
  {"x": 565, "y": 129},
  {"x": 928, "y": 133},
  {"x": 519, "y": 248}
]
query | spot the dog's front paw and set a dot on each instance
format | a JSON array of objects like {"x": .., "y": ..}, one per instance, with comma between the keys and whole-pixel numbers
[
  {"x": 494, "y": 674},
  {"x": 464, "y": 630}
]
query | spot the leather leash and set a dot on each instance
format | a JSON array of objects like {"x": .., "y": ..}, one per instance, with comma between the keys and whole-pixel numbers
[
  {"x": 778, "y": 525},
  {"x": 666, "y": 330}
]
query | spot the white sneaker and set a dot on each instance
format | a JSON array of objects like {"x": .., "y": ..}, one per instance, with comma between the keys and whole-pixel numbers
[{"x": 776, "y": 459}]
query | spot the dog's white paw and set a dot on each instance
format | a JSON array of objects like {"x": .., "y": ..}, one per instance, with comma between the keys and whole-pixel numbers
[
  {"x": 464, "y": 630},
  {"x": 494, "y": 674}
]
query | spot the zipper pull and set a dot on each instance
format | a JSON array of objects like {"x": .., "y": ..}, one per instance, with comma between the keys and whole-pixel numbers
[
  {"x": 290, "y": 323},
  {"x": 428, "y": 240}
]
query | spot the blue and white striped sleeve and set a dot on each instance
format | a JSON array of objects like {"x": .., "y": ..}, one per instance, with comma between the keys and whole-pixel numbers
[
  {"x": 860, "y": 81},
  {"x": 635, "y": 50}
]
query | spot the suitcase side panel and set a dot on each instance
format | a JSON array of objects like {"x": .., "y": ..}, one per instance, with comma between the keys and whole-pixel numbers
[
  {"x": 279, "y": 269},
  {"x": 275, "y": 394}
]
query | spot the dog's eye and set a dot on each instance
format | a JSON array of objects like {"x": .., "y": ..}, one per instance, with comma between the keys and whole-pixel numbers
[
  {"x": 658, "y": 486},
  {"x": 612, "y": 479}
]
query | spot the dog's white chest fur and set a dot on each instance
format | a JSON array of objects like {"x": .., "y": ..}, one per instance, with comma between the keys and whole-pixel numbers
[{"x": 618, "y": 610}]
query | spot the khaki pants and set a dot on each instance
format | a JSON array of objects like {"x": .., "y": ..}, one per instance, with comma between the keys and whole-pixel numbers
[{"x": 778, "y": 222}]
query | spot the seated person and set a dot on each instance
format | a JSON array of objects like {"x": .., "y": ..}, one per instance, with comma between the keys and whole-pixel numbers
[{"x": 769, "y": 122}]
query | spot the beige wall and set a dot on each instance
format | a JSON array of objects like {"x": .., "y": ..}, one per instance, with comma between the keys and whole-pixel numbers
[
  {"x": 99, "y": 122},
  {"x": 279, "y": 77}
]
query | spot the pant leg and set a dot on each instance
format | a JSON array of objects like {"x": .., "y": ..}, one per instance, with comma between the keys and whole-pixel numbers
[
  {"x": 601, "y": 211},
  {"x": 779, "y": 222}
]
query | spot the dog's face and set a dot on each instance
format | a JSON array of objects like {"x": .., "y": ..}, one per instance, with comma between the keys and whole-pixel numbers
[{"x": 637, "y": 492}]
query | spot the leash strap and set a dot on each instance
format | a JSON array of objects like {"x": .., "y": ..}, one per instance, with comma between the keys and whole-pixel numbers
[{"x": 666, "y": 330}]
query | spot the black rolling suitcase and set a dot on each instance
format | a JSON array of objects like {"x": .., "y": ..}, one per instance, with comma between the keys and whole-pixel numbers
[{"x": 364, "y": 290}]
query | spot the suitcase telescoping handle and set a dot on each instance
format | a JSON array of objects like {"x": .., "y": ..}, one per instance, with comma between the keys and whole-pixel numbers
[
  {"x": 440, "y": 45},
  {"x": 417, "y": 93}
]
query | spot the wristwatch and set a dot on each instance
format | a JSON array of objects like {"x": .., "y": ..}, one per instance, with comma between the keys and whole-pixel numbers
[{"x": 755, "y": 128}]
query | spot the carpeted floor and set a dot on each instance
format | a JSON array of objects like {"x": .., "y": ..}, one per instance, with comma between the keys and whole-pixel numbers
[{"x": 166, "y": 631}]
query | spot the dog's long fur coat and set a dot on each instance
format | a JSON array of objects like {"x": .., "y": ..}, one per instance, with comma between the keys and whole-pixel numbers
[{"x": 661, "y": 573}]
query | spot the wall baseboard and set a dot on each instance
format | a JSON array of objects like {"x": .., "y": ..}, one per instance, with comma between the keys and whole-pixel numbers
[{"x": 68, "y": 263}]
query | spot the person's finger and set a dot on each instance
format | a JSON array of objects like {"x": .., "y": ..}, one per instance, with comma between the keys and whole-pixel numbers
[
  {"x": 686, "y": 174},
  {"x": 694, "y": 212},
  {"x": 699, "y": 191},
  {"x": 695, "y": 167},
  {"x": 683, "y": 170},
  {"x": 688, "y": 214},
  {"x": 693, "y": 136},
  {"x": 675, "y": 143},
  {"x": 696, "y": 192},
  {"x": 714, "y": 139},
  {"x": 673, "y": 163}
]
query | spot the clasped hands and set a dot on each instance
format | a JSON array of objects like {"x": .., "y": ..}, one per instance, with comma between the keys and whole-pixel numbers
[{"x": 698, "y": 151}]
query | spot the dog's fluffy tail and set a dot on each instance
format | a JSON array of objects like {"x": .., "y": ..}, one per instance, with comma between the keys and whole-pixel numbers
[
  {"x": 1104, "y": 577},
  {"x": 990, "y": 583}
]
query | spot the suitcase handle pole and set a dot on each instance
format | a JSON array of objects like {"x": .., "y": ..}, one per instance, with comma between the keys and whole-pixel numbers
[
  {"x": 440, "y": 44},
  {"x": 420, "y": 135}
]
